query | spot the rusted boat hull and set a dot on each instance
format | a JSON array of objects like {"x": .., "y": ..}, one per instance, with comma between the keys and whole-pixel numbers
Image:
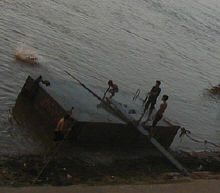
[{"x": 40, "y": 112}]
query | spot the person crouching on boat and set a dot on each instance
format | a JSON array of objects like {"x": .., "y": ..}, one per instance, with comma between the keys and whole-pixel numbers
[
  {"x": 61, "y": 129},
  {"x": 159, "y": 114},
  {"x": 112, "y": 89}
]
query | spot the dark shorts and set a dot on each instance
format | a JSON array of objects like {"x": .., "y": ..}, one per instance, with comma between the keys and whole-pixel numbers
[
  {"x": 58, "y": 136},
  {"x": 151, "y": 103},
  {"x": 157, "y": 118}
]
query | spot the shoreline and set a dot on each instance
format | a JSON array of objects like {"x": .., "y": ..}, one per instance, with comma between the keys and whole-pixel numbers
[
  {"x": 203, "y": 186},
  {"x": 105, "y": 167}
]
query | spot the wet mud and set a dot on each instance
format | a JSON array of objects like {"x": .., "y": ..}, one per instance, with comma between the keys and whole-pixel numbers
[{"x": 100, "y": 168}]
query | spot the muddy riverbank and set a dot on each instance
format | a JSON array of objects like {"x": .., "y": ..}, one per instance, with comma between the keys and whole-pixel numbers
[{"x": 92, "y": 167}]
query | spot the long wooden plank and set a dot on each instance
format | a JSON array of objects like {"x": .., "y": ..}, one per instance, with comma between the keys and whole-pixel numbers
[{"x": 140, "y": 128}]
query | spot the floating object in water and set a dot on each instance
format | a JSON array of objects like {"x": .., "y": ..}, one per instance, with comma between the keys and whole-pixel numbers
[
  {"x": 215, "y": 90},
  {"x": 26, "y": 56}
]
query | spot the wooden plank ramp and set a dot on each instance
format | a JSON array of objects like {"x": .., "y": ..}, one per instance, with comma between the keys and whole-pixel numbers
[{"x": 129, "y": 119}]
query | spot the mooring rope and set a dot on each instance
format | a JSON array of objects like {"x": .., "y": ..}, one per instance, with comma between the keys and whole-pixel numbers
[{"x": 187, "y": 133}]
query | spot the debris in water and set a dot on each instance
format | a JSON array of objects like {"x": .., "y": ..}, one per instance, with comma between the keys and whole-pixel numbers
[
  {"x": 26, "y": 56},
  {"x": 215, "y": 90}
]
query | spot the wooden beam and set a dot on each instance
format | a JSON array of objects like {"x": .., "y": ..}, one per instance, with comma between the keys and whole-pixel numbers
[{"x": 140, "y": 128}]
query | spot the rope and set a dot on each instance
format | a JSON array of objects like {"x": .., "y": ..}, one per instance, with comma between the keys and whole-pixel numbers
[
  {"x": 185, "y": 132},
  {"x": 83, "y": 85}
]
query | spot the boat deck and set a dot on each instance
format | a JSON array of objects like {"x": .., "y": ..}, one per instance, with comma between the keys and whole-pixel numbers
[{"x": 88, "y": 108}]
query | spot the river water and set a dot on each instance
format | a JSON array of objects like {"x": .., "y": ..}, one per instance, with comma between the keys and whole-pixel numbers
[{"x": 133, "y": 42}]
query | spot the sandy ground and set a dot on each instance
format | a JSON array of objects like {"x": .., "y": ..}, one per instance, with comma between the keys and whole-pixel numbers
[{"x": 201, "y": 186}]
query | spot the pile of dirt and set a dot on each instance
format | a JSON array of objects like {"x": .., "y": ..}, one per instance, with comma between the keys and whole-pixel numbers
[{"x": 22, "y": 171}]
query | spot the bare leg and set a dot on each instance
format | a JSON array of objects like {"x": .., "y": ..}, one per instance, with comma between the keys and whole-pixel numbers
[
  {"x": 112, "y": 94},
  {"x": 150, "y": 112},
  {"x": 148, "y": 118},
  {"x": 105, "y": 93},
  {"x": 152, "y": 132},
  {"x": 145, "y": 109}
]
